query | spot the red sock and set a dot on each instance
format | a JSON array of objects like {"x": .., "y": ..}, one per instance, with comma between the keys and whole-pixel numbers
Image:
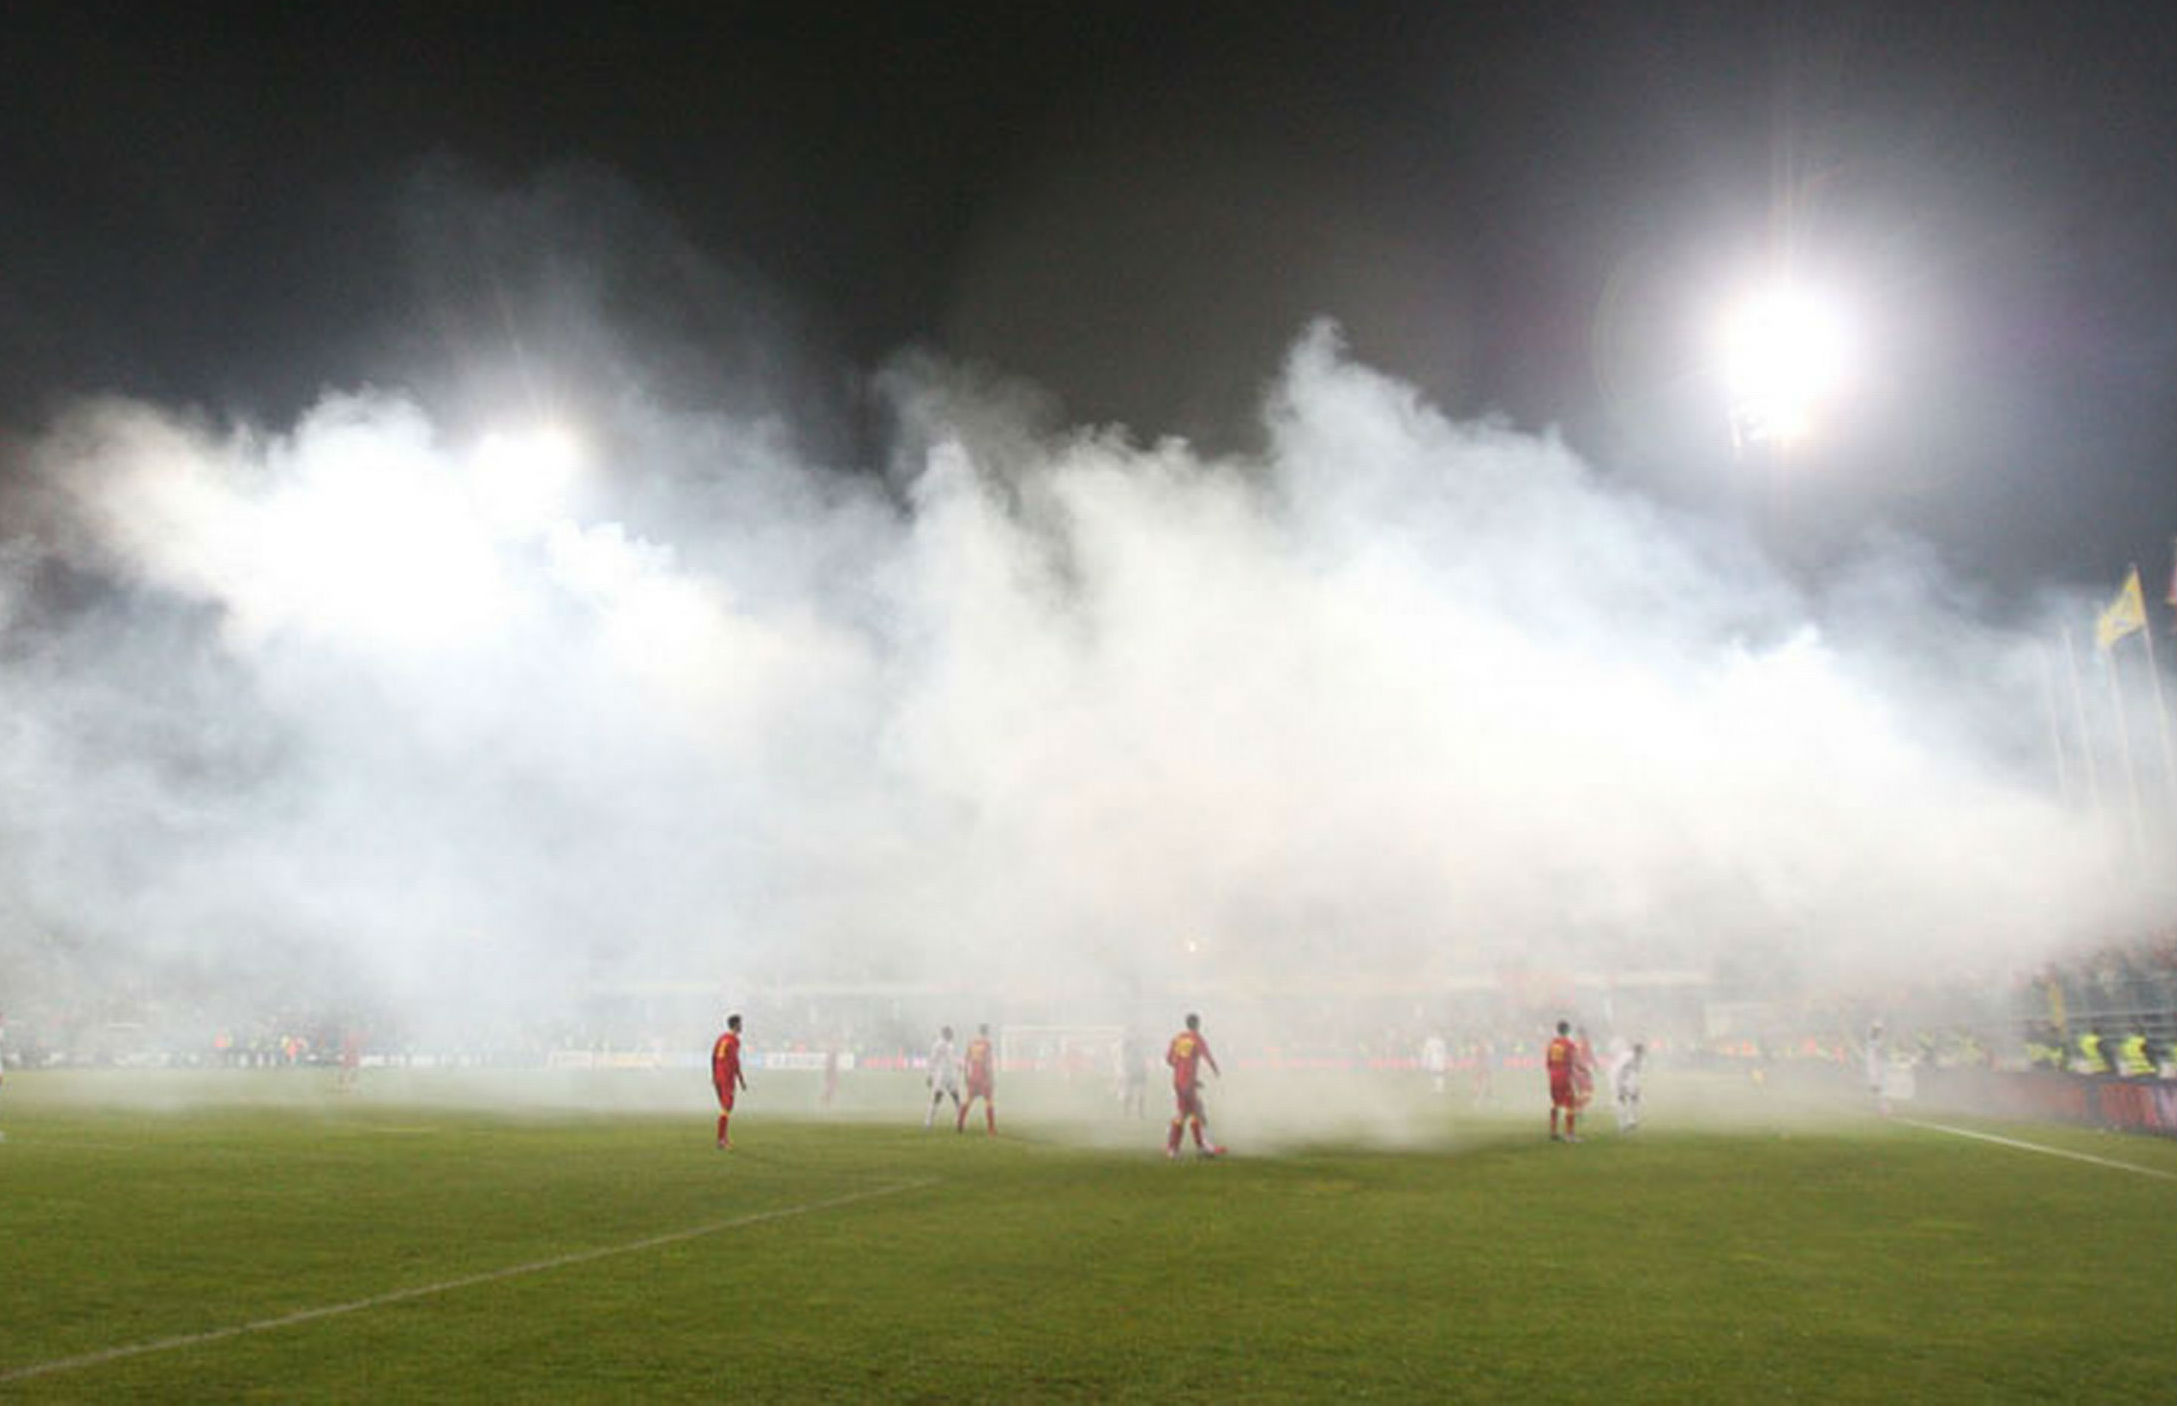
[{"x": 722, "y": 1128}]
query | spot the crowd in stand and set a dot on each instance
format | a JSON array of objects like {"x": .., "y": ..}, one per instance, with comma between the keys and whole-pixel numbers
[{"x": 2109, "y": 1012}]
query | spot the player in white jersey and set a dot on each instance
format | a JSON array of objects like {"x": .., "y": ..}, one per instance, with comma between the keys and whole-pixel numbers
[
  {"x": 1625, "y": 1081},
  {"x": 1435, "y": 1060},
  {"x": 943, "y": 1078}
]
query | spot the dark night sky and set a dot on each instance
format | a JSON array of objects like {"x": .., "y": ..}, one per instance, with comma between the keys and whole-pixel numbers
[{"x": 1522, "y": 209}]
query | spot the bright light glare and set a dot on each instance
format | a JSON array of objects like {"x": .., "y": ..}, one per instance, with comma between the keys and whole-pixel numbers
[
  {"x": 1787, "y": 354},
  {"x": 521, "y": 480},
  {"x": 371, "y": 542}
]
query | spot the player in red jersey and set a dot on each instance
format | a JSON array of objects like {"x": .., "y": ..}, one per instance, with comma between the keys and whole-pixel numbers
[
  {"x": 726, "y": 1075},
  {"x": 982, "y": 1065},
  {"x": 1583, "y": 1068},
  {"x": 351, "y": 1058},
  {"x": 1563, "y": 1060},
  {"x": 1184, "y": 1056}
]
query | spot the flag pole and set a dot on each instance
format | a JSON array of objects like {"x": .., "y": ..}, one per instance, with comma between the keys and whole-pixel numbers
[
  {"x": 2161, "y": 709},
  {"x": 2124, "y": 749},
  {"x": 2086, "y": 737},
  {"x": 2055, "y": 725}
]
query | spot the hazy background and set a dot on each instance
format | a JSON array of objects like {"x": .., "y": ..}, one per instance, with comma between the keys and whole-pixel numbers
[
  {"x": 1097, "y": 510},
  {"x": 404, "y": 704}
]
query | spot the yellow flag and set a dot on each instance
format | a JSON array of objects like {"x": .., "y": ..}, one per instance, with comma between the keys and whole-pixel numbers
[{"x": 2124, "y": 615}]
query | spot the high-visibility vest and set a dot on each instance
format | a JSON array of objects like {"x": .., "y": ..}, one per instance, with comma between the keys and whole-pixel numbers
[
  {"x": 2090, "y": 1051},
  {"x": 2133, "y": 1052}
]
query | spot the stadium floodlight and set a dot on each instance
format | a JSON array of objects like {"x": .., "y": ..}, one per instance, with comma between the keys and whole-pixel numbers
[
  {"x": 1786, "y": 356},
  {"x": 368, "y": 539},
  {"x": 521, "y": 478}
]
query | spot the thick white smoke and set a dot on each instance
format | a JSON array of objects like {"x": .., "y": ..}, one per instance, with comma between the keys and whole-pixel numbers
[{"x": 1397, "y": 696}]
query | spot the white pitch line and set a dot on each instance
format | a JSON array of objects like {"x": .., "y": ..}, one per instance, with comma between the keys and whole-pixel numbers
[
  {"x": 2038, "y": 1149},
  {"x": 319, "y": 1313}
]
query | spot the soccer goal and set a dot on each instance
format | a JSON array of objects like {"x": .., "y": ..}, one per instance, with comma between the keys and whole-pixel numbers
[{"x": 1076, "y": 1053}]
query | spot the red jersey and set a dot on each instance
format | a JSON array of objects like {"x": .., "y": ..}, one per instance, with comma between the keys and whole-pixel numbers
[
  {"x": 1188, "y": 1050},
  {"x": 1563, "y": 1056},
  {"x": 726, "y": 1061},
  {"x": 978, "y": 1062}
]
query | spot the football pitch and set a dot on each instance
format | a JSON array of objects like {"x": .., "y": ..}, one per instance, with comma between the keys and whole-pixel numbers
[{"x": 248, "y": 1237}]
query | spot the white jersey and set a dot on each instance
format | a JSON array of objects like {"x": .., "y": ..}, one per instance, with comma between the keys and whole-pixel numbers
[
  {"x": 944, "y": 1065},
  {"x": 1625, "y": 1080},
  {"x": 1434, "y": 1054}
]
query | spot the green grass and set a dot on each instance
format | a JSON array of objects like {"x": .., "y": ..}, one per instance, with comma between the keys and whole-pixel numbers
[{"x": 1748, "y": 1254}]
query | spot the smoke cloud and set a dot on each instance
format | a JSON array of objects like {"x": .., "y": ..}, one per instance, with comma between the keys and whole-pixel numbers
[{"x": 366, "y": 706}]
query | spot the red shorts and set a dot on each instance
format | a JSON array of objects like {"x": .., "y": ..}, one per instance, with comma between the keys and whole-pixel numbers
[
  {"x": 1189, "y": 1099},
  {"x": 725, "y": 1097},
  {"x": 979, "y": 1088},
  {"x": 1561, "y": 1091}
]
